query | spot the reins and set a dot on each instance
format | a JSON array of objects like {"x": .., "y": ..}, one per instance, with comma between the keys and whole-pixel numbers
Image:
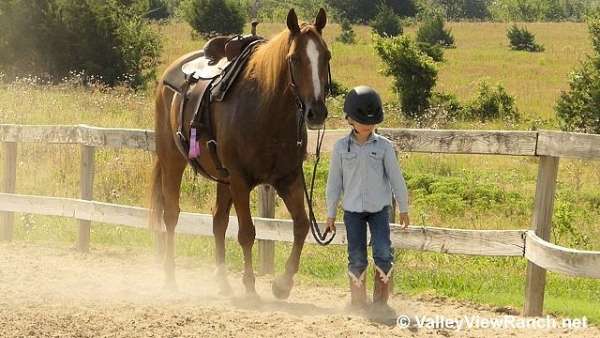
[{"x": 320, "y": 238}]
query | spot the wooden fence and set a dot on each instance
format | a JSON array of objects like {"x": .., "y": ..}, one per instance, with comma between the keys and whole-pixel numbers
[{"x": 533, "y": 243}]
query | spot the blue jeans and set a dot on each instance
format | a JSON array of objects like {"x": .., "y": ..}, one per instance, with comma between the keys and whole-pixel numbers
[{"x": 356, "y": 228}]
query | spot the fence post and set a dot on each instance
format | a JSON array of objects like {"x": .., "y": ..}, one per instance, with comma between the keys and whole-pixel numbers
[
  {"x": 9, "y": 166},
  {"x": 86, "y": 186},
  {"x": 542, "y": 224},
  {"x": 266, "y": 209}
]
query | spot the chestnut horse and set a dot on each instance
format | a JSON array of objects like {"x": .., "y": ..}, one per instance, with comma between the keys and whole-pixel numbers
[{"x": 258, "y": 134}]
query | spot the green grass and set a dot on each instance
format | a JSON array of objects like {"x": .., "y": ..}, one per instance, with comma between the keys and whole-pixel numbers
[{"x": 454, "y": 191}]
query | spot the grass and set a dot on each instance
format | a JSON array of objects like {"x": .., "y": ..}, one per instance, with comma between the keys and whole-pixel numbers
[{"x": 455, "y": 191}]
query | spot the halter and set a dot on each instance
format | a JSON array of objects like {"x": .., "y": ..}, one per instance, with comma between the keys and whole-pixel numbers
[{"x": 300, "y": 115}]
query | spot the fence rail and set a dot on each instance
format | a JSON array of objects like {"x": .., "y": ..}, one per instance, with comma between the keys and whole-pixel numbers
[{"x": 532, "y": 244}]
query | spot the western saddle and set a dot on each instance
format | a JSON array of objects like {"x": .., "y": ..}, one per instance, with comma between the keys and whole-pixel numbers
[{"x": 203, "y": 80}]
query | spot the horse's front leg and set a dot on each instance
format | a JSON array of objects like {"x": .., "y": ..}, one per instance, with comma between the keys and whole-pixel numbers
[
  {"x": 293, "y": 197},
  {"x": 240, "y": 193}
]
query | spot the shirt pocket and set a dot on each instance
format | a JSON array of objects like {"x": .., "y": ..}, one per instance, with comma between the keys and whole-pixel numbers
[
  {"x": 349, "y": 162},
  {"x": 375, "y": 160}
]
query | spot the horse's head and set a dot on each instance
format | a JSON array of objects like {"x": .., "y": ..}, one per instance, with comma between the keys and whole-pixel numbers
[{"x": 308, "y": 60}]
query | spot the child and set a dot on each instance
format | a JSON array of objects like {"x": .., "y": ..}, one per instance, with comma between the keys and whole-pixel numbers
[{"x": 365, "y": 168}]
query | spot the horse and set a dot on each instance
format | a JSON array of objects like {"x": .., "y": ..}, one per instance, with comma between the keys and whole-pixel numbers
[{"x": 260, "y": 141}]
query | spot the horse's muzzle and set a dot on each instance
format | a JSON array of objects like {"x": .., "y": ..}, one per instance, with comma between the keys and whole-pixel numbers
[{"x": 316, "y": 114}]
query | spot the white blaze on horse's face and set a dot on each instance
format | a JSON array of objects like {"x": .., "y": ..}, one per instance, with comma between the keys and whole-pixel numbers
[{"x": 313, "y": 58}]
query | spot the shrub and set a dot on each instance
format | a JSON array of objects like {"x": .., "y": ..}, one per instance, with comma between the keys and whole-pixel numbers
[
  {"x": 347, "y": 36},
  {"x": 522, "y": 39},
  {"x": 386, "y": 22},
  {"x": 579, "y": 108},
  {"x": 157, "y": 10},
  {"x": 414, "y": 72},
  {"x": 214, "y": 17},
  {"x": 490, "y": 104},
  {"x": 109, "y": 40},
  {"x": 432, "y": 31},
  {"x": 436, "y": 52},
  {"x": 338, "y": 89}
]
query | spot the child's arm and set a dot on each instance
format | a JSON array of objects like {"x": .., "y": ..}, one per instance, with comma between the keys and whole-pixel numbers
[{"x": 392, "y": 168}]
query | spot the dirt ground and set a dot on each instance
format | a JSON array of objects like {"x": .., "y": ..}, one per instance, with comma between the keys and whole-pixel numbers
[{"x": 56, "y": 292}]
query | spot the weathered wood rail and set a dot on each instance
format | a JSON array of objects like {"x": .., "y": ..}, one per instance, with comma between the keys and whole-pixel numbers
[{"x": 532, "y": 244}]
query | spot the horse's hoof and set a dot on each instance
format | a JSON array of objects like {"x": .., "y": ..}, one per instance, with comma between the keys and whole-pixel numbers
[{"x": 282, "y": 287}]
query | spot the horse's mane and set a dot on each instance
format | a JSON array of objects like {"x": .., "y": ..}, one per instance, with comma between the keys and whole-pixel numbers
[{"x": 268, "y": 65}]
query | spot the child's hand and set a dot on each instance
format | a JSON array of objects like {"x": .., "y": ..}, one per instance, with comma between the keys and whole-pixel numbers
[
  {"x": 330, "y": 227},
  {"x": 404, "y": 220}
]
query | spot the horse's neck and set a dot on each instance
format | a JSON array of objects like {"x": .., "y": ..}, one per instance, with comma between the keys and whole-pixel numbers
[{"x": 280, "y": 109}]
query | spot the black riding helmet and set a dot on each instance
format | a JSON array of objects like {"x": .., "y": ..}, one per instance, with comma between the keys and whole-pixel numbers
[{"x": 363, "y": 105}]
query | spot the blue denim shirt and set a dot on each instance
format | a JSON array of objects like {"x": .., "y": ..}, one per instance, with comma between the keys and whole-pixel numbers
[{"x": 367, "y": 174}]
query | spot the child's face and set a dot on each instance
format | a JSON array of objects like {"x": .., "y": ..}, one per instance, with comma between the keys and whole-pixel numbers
[{"x": 362, "y": 129}]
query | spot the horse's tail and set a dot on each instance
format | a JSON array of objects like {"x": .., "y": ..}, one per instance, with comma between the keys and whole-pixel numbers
[{"x": 156, "y": 199}]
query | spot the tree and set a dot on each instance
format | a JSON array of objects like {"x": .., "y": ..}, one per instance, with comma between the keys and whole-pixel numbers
[
  {"x": 414, "y": 73},
  {"x": 109, "y": 40},
  {"x": 357, "y": 11},
  {"x": 214, "y": 17},
  {"x": 403, "y": 8},
  {"x": 386, "y": 23},
  {"x": 522, "y": 39},
  {"x": 347, "y": 36},
  {"x": 578, "y": 109},
  {"x": 432, "y": 31}
]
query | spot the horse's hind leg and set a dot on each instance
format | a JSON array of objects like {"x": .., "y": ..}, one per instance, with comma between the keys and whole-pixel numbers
[
  {"x": 293, "y": 196},
  {"x": 240, "y": 192},
  {"x": 220, "y": 223},
  {"x": 172, "y": 172}
]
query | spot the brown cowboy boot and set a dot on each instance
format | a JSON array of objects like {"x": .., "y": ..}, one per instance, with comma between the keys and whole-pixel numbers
[
  {"x": 380, "y": 311},
  {"x": 382, "y": 285},
  {"x": 358, "y": 290}
]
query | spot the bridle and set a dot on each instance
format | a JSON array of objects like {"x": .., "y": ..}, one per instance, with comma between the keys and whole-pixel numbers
[{"x": 320, "y": 238}]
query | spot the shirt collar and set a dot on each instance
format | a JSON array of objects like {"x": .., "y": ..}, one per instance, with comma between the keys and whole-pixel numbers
[{"x": 372, "y": 137}]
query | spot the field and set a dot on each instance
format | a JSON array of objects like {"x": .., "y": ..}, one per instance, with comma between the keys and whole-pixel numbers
[{"x": 474, "y": 192}]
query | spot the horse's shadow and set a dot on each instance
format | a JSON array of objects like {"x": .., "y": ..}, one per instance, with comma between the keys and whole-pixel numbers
[{"x": 256, "y": 303}]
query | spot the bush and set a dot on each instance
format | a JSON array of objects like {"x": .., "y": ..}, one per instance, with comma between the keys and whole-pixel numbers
[
  {"x": 522, "y": 39},
  {"x": 491, "y": 104},
  {"x": 414, "y": 73},
  {"x": 386, "y": 22},
  {"x": 436, "y": 52},
  {"x": 158, "y": 10},
  {"x": 432, "y": 31},
  {"x": 579, "y": 108},
  {"x": 214, "y": 17},
  {"x": 338, "y": 89},
  {"x": 347, "y": 36},
  {"x": 109, "y": 40}
]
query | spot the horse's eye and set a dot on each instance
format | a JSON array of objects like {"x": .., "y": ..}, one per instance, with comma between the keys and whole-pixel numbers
[
  {"x": 328, "y": 56},
  {"x": 295, "y": 59}
]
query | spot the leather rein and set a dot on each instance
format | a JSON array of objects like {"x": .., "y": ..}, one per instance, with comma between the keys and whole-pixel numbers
[{"x": 320, "y": 238}]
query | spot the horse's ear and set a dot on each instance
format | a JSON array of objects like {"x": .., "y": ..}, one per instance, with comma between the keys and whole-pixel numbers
[
  {"x": 321, "y": 20},
  {"x": 292, "y": 22}
]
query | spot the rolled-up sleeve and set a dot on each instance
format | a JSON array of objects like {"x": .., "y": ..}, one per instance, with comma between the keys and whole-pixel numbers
[
  {"x": 398, "y": 185},
  {"x": 334, "y": 183}
]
